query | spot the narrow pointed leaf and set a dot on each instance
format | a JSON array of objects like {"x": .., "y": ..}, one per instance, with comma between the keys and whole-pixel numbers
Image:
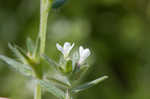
[
  {"x": 52, "y": 89},
  {"x": 22, "y": 68},
  {"x": 89, "y": 84},
  {"x": 56, "y": 81},
  {"x": 50, "y": 61},
  {"x": 61, "y": 80},
  {"x": 19, "y": 54}
]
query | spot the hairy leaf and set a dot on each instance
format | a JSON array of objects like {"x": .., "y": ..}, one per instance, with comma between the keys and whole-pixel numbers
[
  {"x": 61, "y": 80},
  {"x": 50, "y": 61},
  {"x": 18, "y": 54},
  {"x": 89, "y": 84},
  {"x": 52, "y": 89},
  {"x": 22, "y": 68}
]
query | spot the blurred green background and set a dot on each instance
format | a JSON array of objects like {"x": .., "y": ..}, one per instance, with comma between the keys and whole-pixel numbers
[{"x": 116, "y": 31}]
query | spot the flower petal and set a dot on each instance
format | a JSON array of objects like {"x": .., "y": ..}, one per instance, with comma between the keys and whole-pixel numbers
[
  {"x": 67, "y": 48},
  {"x": 81, "y": 49},
  {"x": 84, "y": 53},
  {"x": 59, "y": 47},
  {"x": 71, "y": 47}
]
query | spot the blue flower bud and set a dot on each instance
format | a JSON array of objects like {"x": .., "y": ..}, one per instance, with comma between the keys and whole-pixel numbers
[{"x": 58, "y": 3}]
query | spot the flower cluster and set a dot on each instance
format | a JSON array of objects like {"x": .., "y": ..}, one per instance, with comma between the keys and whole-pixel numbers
[
  {"x": 65, "y": 50},
  {"x": 67, "y": 47}
]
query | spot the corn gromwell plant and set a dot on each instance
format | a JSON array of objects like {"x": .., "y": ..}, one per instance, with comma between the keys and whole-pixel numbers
[{"x": 64, "y": 81}]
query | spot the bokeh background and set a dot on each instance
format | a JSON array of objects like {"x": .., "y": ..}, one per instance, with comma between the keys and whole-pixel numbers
[{"x": 117, "y": 32}]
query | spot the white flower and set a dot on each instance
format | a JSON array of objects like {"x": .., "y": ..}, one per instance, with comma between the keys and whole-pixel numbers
[
  {"x": 84, "y": 53},
  {"x": 65, "y": 50}
]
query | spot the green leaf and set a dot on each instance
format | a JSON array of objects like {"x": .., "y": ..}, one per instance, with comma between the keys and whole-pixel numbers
[
  {"x": 49, "y": 60},
  {"x": 61, "y": 80},
  {"x": 89, "y": 84},
  {"x": 52, "y": 89},
  {"x": 22, "y": 68},
  {"x": 56, "y": 81},
  {"x": 19, "y": 53},
  {"x": 30, "y": 45}
]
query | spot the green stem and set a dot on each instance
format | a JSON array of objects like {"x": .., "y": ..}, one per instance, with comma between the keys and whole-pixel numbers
[
  {"x": 44, "y": 10},
  {"x": 68, "y": 94},
  {"x": 45, "y": 6},
  {"x": 37, "y": 94}
]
